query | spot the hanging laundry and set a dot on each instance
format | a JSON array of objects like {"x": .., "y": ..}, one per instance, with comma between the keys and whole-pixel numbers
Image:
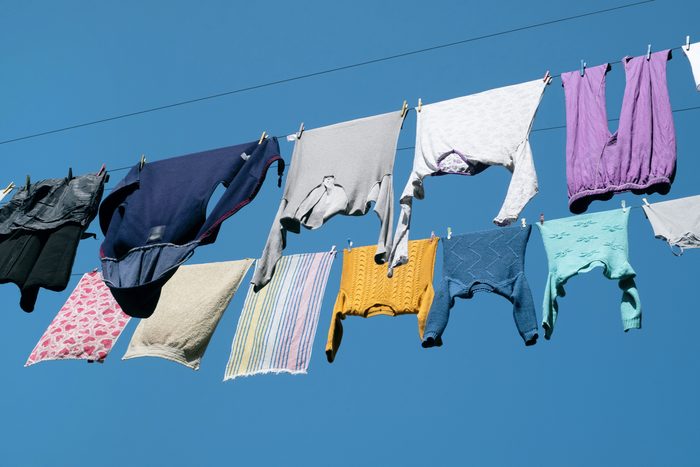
[
  {"x": 578, "y": 244},
  {"x": 337, "y": 169},
  {"x": 641, "y": 155},
  {"x": 191, "y": 304},
  {"x": 465, "y": 136},
  {"x": 87, "y": 326},
  {"x": 277, "y": 326},
  {"x": 693, "y": 54},
  {"x": 365, "y": 289},
  {"x": 677, "y": 221},
  {"x": 155, "y": 218},
  {"x": 40, "y": 228},
  {"x": 487, "y": 261}
]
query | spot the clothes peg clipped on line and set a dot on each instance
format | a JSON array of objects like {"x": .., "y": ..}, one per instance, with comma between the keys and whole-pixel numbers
[
  {"x": 404, "y": 109},
  {"x": 9, "y": 188},
  {"x": 262, "y": 137},
  {"x": 583, "y": 68},
  {"x": 301, "y": 130},
  {"x": 349, "y": 245},
  {"x": 648, "y": 51},
  {"x": 420, "y": 105},
  {"x": 142, "y": 162},
  {"x": 432, "y": 235},
  {"x": 687, "y": 42},
  {"x": 547, "y": 77},
  {"x": 70, "y": 174},
  {"x": 102, "y": 170},
  {"x": 29, "y": 182},
  {"x": 333, "y": 250},
  {"x": 541, "y": 218},
  {"x": 523, "y": 222},
  {"x": 624, "y": 205},
  {"x": 646, "y": 203},
  {"x": 449, "y": 233}
]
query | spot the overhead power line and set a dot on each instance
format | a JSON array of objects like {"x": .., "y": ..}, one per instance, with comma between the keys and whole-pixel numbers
[{"x": 319, "y": 73}]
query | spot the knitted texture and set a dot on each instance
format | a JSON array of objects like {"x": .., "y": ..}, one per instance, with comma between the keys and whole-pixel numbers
[
  {"x": 489, "y": 261},
  {"x": 580, "y": 243},
  {"x": 365, "y": 289}
]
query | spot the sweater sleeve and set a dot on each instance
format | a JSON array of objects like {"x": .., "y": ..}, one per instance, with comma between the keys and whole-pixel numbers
[
  {"x": 523, "y": 185},
  {"x": 384, "y": 207},
  {"x": 272, "y": 252}
]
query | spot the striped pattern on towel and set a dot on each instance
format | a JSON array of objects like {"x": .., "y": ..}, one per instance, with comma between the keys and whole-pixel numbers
[{"x": 277, "y": 326}]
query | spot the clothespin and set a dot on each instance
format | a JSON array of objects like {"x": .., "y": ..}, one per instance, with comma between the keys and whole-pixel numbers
[
  {"x": 648, "y": 51},
  {"x": 404, "y": 109},
  {"x": 94, "y": 270},
  {"x": 9, "y": 188},
  {"x": 420, "y": 104},
  {"x": 333, "y": 249},
  {"x": 624, "y": 205},
  {"x": 583, "y": 68},
  {"x": 449, "y": 233},
  {"x": 432, "y": 235},
  {"x": 142, "y": 162},
  {"x": 262, "y": 137},
  {"x": 687, "y": 42},
  {"x": 301, "y": 130},
  {"x": 547, "y": 77},
  {"x": 70, "y": 174},
  {"x": 646, "y": 202},
  {"x": 103, "y": 169},
  {"x": 349, "y": 245},
  {"x": 541, "y": 218},
  {"x": 523, "y": 222},
  {"x": 29, "y": 182}
]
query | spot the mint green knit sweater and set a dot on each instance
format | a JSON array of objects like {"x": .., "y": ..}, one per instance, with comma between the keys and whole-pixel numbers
[{"x": 578, "y": 244}]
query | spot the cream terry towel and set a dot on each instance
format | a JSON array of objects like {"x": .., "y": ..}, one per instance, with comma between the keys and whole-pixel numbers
[{"x": 190, "y": 306}]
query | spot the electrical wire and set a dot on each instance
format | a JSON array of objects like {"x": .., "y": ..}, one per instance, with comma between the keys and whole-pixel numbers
[{"x": 321, "y": 72}]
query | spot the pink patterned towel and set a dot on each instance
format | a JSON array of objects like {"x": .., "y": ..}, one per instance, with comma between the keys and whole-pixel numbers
[{"x": 85, "y": 328}]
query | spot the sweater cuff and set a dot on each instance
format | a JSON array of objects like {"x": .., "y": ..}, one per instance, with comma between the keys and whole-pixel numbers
[
  {"x": 530, "y": 337},
  {"x": 632, "y": 323},
  {"x": 431, "y": 339}
]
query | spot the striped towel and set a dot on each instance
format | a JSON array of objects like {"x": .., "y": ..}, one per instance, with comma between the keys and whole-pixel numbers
[{"x": 277, "y": 326}]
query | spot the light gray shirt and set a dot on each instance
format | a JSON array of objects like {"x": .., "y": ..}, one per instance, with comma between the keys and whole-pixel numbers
[{"x": 336, "y": 169}]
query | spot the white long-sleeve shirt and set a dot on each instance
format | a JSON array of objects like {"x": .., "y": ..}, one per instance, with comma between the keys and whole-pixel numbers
[{"x": 465, "y": 136}]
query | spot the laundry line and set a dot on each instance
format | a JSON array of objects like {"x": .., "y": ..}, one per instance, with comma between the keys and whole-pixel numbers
[{"x": 322, "y": 72}]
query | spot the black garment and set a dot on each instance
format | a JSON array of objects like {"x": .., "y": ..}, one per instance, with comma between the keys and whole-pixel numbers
[
  {"x": 40, "y": 229},
  {"x": 38, "y": 259}
]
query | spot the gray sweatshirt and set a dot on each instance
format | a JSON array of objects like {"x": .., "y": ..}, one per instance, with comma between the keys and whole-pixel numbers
[{"x": 337, "y": 169}]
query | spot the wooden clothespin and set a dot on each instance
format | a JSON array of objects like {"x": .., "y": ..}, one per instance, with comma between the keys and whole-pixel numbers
[
  {"x": 547, "y": 77},
  {"x": 9, "y": 188},
  {"x": 449, "y": 233},
  {"x": 420, "y": 105},
  {"x": 648, "y": 51},
  {"x": 541, "y": 218},
  {"x": 142, "y": 162},
  {"x": 582, "y": 70},
  {"x": 349, "y": 244},
  {"x": 262, "y": 137},
  {"x": 404, "y": 109},
  {"x": 687, "y": 42},
  {"x": 523, "y": 222}
]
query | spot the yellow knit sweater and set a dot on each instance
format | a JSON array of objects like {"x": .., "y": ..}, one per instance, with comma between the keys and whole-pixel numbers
[{"x": 365, "y": 289}]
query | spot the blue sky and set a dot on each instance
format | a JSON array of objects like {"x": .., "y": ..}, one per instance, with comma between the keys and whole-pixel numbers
[{"x": 593, "y": 395}]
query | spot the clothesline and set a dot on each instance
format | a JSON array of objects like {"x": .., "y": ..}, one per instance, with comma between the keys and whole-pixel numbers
[{"x": 322, "y": 72}]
